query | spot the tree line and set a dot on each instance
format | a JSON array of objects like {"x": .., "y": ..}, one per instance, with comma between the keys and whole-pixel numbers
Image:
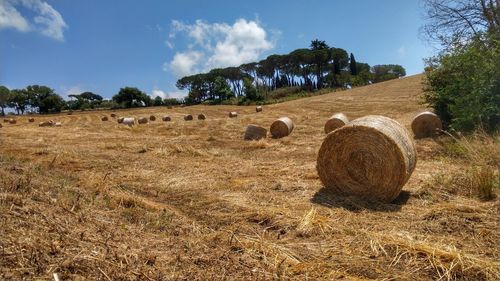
[{"x": 309, "y": 69}]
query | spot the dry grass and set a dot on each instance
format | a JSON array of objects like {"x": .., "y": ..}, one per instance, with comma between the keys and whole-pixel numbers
[{"x": 194, "y": 201}]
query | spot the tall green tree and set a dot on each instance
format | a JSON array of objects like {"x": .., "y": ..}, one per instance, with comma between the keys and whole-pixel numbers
[
  {"x": 44, "y": 99},
  {"x": 4, "y": 98},
  {"x": 132, "y": 97},
  {"x": 18, "y": 99},
  {"x": 353, "y": 65}
]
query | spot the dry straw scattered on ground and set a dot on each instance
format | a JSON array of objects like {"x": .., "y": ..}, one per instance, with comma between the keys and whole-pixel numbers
[{"x": 194, "y": 201}]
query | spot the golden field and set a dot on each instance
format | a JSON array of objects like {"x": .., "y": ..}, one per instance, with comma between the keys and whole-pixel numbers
[{"x": 191, "y": 200}]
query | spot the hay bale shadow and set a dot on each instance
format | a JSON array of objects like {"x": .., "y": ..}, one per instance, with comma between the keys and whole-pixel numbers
[{"x": 327, "y": 198}]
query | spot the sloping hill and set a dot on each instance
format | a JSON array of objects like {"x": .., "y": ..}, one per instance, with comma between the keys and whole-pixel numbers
[{"x": 193, "y": 201}]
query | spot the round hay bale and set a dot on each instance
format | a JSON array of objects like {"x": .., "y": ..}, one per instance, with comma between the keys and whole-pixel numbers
[
  {"x": 426, "y": 124},
  {"x": 113, "y": 115},
  {"x": 166, "y": 118},
  {"x": 104, "y": 118},
  {"x": 130, "y": 121},
  {"x": 169, "y": 107},
  {"x": 48, "y": 123},
  {"x": 152, "y": 118},
  {"x": 142, "y": 120},
  {"x": 233, "y": 114},
  {"x": 335, "y": 121},
  {"x": 6, "y": 120},
  {"x": 188, "y": 117},
  {"x": 31, "y": 120},
  {"x": 202, "y": 116},
  {"x": 120, "y": 120},
  {"x": 371, "y": 157},
  {"x": 58, "y": 124},
  {"x": 258, "y": 108},
  {"x": 70, "y": 112},
  {"x": 12, "y": 121},
  {"x": 254, "y": 132},
  {"x": 282, "y": 127}
]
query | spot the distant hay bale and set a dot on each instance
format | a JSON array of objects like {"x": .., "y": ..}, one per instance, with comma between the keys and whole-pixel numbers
[
  {"x": 258, "y": 108},
  {"x": 233, "y": 114},
  {"x": 169, "y": 107},
  {"x": 202, "y": 116},
  {"x": 335, "y": 121},
  {"x": 282, "y": 127},
  {"x": 142, "y": 120},
  {"x": 120, "y": 120},
  {"x": 129, "y": 121},
  {"x": 254, "y": 132},
  {"x": 58, "y": 124},
  {"x": 31, "y": 120},
  {"x": 371, "y": 157},
  {"x": 6, "y": 120},
  {"x": 166, "y": 118},
  {"x": 70, "y": 112},
  {"x": 113, "y": 115},
  {"x": 12, "y": 121},
  {"x": 188, "y": 117},
  {"x": 104, "y": 118},
  {"x": 426, "y": 124},
  {"x": 152, "y": 118},
  {"x": 48, "y": 123}
]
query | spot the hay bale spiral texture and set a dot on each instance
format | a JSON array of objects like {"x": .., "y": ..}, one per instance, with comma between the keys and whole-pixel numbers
[
  {"x": 31, "y": 120},
  {"x": 202, "y": 116},
  {"x": 258, "y": 108},
  {"x": 335, "y": 121},
  {"x": 152, "y": 118},
  {"x": 233, "y": 114},
  {"x": 282, "y": 127},
  {"x": 371, "y": 157},
  {"x": 254, "y": 132},
  {"x": 426, "y": 124},
  {"x": 142, "y": 120},
  {"x": 166, "y": 118},
  {"x": 188, "y": 117}
]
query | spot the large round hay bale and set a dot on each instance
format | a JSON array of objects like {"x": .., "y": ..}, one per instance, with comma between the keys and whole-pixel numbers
[
  {"x": 426, "y": 124},
  {"x": 104, "y": 118},
  {"x": 12, "y": 121},
  {"x": 258, "y": 108},
  {"x": 166, "y": 118},
  {"x": 188, "y": 117},
  {"x": 335, "y": 121},
  {"x": 31, "y": 120},
  {"x": 282, "y": 127},
  {"x": 48, "y": 123},
  {"x": 254, "y": 132},
  {"x": 6, "y": 120},
  {"x": 152, "y": 118},
  {"x": 233, "y": 114},
  {"x": 58, "y": 124},
  {"x": 142, "y": 120},
  {"x": 371, "y": 157},
  {"x": 113, "y": 115},
  {"x": 128, "y": 121},
  {"x": 202, "y": 116},
  {"x": 120, "y": 120}
]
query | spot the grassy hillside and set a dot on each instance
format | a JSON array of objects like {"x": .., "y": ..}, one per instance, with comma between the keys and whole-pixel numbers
[{"x": 193, "y": 201}]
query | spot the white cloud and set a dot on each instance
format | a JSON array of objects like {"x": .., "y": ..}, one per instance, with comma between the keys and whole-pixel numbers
[
  {"x": 218, "y": 45},
  {"x": 169, "y": 44},
  {"x": 160, "y": 93},
  {"x": 46, "y": 20},
  {"x": 402, "y": 51},
  {"x": 184, "y": 63}
]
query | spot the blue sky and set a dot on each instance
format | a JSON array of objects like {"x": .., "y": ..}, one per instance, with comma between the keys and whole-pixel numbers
[{"x": 100, "y": 46}]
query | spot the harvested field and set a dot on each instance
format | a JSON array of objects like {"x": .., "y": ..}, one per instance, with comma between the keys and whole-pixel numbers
[{"x": 194, "y": 201}]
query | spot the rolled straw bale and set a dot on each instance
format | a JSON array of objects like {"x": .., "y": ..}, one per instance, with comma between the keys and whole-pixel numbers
[
  {"x": 6, "y": 120},
  {"x": 142, "y": 120},
  {"x": 188, "y": 117},
  {"x": 49, "y": 123},
  {"x": 152, "y": 118},
  {"x": 31, "y": 120},
  {"x": 202, "y": 116},
  {"x": 128, "y": 121},
  {"x": 12, "y": 121},
  {"x": 233, "y": 114},
  {"x": 254, "y": 132},
  {"x": 282, "y": 127},
  {"x": 371, "y": 157},
  {"x": 120, "y": 120},
  {"x": 58, "y": 124},
  {"x": 258, "y": 108},
  {"x": 335, "y": 121},
  {"x": 104, "y": 118},
  {"x": 113, "y": 115},
  {"x": 169, "y": 107},
  {"x": 426, "y": 124},
  {"x": 166, "y": 118}
]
